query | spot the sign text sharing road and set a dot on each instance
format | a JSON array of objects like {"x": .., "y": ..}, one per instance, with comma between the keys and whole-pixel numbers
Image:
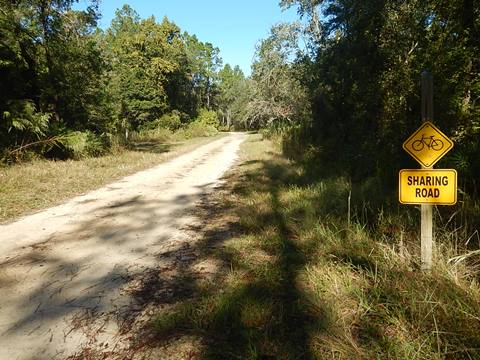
[{"x": 430, "y": 186}]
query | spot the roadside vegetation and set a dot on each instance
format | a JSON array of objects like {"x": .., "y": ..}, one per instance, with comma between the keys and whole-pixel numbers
[
  {"x": 301, "y": 281},
  {"x": 342, "y": 88}
]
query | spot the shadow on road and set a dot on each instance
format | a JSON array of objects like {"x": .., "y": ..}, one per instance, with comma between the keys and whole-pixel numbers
[{"x": 110, "y": 269}]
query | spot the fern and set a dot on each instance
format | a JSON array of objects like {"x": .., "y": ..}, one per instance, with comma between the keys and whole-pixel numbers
[
  {"x": 460, "y": 161},
  {"x": 22, "y": 116},
  {"x": 76, "y": 142},
  {"x": 81, "y": 144}
]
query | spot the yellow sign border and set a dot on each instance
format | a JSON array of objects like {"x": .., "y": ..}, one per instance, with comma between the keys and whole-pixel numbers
[
  {"x": 426, "y": 203},
  {"x": 416, "y": 132}
]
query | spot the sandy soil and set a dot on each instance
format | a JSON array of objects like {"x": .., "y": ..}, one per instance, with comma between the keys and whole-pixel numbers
[{"x": 68, "y": 274}]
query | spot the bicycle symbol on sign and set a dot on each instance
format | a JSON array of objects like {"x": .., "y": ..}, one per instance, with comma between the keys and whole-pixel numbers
[{"x": 429, "y": 141}]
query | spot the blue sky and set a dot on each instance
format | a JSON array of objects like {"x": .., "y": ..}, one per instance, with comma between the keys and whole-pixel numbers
[{"x": 234, "y": 26}]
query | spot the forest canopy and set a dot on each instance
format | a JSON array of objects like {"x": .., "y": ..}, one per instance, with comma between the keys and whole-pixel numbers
[{"x": 66, "y": 82}]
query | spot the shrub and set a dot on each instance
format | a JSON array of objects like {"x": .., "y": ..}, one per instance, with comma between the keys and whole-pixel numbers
[
  {"x": 171, "y": 121},
  {"x": 22, "y": 116},
  {"x": 80, "y": 144},
  {"x": 208, "y": 117},
  {"x": 224, "y": 128},
  {"x": 195, "y": 129},
  {"x": 158, "y": 135}
]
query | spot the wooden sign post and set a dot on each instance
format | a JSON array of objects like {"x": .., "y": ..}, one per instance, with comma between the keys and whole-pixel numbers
[
  {"x": 426, "y": 230},
  {"x": 427, "y": 187}
]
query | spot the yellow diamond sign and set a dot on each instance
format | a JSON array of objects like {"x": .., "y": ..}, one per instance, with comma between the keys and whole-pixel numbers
[{"x": 428, "y": 144}]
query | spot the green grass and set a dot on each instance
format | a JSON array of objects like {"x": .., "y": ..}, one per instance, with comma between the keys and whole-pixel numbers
[
  {"x": 38, "y": 184},
  {"x": 299, "y": 282}
]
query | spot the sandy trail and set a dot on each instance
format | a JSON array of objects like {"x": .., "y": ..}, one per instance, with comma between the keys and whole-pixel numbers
[{"x": 62, "y": 271}]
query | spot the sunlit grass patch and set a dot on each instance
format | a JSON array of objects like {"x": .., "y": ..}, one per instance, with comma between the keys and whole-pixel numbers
[
  {"x": 256, "y": 213},
  {"x": 236, "y": 278},
  {"x": 249, "y": 249},
  {"x": 41, "y": 183},
  {"x": 331, "y": 292}
]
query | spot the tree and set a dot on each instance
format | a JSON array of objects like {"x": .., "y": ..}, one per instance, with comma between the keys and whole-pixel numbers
[
  {"x": 366, "y": 60},
  {"x": 52, "y": 69},
  {"x": 278, "y": 95},
  {"x": 234, "y": 95},
  {"x": 205, "y": 62},
  {"x": 61, "y": 76},
  {"x": 143, "y": 57}
]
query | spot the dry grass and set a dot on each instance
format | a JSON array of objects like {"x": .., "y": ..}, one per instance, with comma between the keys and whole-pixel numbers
[{"x": 39, "y": 184}]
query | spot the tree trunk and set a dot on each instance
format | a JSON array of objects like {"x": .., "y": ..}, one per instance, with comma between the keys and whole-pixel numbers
[
  {"x": 44, "y": 14},
  {"x": 208, "y": 93},
  {"x": 228, "y": 119}
]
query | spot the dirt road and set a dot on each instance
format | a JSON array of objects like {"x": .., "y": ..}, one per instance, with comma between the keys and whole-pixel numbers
[{"x": 65, "y": 272}]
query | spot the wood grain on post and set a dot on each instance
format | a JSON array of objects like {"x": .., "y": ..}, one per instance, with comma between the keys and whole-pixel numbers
[
  {"x": 426, "y": 230},
  {"x": 426, "y": 236}
]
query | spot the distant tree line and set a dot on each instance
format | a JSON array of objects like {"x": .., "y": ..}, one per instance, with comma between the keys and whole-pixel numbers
[{"x": 66, "y": 85}]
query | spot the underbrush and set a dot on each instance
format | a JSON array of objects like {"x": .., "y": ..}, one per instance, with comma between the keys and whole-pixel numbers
[
  {"x": 56, "y": 141},
  {"x": 306, "y": 277},
  {"x": 194, "y": 129}
]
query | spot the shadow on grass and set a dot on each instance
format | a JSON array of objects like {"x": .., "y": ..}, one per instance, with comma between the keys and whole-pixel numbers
[{"x": 251, "y": 308}]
